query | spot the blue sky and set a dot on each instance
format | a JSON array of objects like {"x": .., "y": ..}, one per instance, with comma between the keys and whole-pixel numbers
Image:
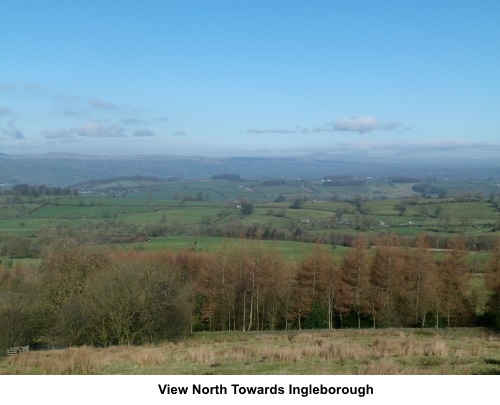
[{"x": 219, "y": 78}]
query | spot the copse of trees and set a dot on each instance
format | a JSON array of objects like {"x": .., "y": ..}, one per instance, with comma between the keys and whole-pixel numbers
[
  {"x": 16, "y": 246},
  {"x": 247, "y": 208},
  {"x": 40, "y": 190},
  {"x": 298, "y": 202},
  {"x": 342, "y": 181},
  {"x": 428, "y": 189},
  {"x": 87, "y": 294}
]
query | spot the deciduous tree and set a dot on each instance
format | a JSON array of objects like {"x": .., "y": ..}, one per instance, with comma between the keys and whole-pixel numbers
[
  {"x": 385, "y": 281},
  {"x": 420, "y": 285},
  {"x": 453, "y": 284},
  {"x": 493, "y": 283},
  {"x": 354, "y": 280}
]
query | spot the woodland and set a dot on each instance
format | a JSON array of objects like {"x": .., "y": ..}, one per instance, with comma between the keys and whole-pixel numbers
[{"x": 88, "y": 294}]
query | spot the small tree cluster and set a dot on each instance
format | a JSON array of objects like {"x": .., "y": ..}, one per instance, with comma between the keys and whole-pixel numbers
[
  {"x": 41, "y": 190},
  {"x": 83, "y": 294}
]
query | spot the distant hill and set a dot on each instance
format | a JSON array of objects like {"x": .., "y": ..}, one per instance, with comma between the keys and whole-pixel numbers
[
  {"x": 63, "y": 169},
  {"x": 122, "y": 182}
]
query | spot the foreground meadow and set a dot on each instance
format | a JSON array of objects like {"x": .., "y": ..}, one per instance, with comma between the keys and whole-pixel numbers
[{"x": 461, "y": 351}]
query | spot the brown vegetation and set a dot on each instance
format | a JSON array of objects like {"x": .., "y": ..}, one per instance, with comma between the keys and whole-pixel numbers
[
  {"x": 83, "y": 294},
  {"x": 389, "y": 351}
]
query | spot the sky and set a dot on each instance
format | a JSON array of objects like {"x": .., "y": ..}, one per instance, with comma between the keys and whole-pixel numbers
[{"x": 412, "y": 78}]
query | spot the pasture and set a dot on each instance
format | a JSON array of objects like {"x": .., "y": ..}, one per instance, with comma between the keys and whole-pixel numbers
[
  {"x": 175, "y": 214},
  {"x": 445, "y": 216},
  {"x": 290, "y": 250}
]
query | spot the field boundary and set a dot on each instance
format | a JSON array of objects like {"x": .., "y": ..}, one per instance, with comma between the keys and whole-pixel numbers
[{"x": 13, "y": 351}]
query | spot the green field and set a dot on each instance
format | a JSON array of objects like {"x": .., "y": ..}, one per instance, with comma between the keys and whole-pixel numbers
[
  {"x": 290, "y": 250},
  {"x": 209, "y": 206}
]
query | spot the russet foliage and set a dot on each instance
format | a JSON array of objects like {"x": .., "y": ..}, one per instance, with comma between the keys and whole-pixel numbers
[{"x": 88, "y": 294}]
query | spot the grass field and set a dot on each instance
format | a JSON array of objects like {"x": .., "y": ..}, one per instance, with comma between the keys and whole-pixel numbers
[
  {"x": 352, "y": 352},
  {"x": 145, "y": 205},
  {"x": 289, "y": 249}
]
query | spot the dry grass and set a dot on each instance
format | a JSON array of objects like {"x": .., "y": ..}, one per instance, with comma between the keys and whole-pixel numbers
[
  {"x": 81, "y": 360},
  {"x": 384, "y": 367},
  {"x": 313, "y": 352}
]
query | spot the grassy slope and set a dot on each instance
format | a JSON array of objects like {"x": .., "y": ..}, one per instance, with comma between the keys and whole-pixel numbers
[{"x": 448, "y": 351}]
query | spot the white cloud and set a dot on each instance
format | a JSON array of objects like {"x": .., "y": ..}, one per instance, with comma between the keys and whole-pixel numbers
[
  {"x": 362, "y": 125},
  {"x": 323, "y": 128},
  {"x": 93, "y": 129},
  {"x": 390, "y": 125}
]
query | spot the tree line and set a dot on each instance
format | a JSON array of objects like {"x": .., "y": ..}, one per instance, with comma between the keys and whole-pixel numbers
[
  {"x": 252, "y": 288},
  {"x": 89, "y": 294},
  {"x": 40, "y": 190}
]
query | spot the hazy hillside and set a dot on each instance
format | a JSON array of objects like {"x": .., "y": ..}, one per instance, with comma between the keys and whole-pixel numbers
[{"x": 68, "y": 169}]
